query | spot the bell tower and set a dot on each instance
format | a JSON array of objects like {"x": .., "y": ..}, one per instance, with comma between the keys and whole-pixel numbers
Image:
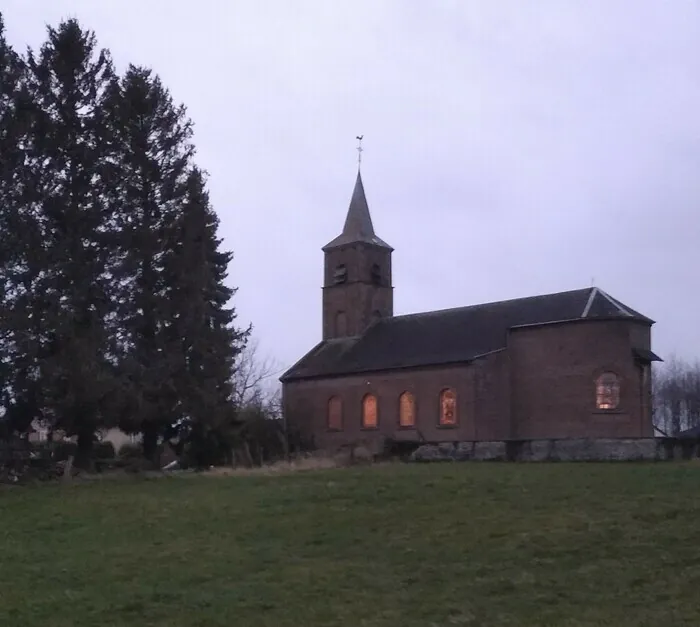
[{"x": 357, "y": 286}]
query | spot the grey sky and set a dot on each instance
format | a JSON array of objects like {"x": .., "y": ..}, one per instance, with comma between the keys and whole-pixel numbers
[{"x": 511, "y": 147}]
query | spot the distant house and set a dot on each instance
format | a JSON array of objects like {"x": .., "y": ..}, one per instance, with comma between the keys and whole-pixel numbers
[
  {"x": 117, "y": 437},
  {"x": 569, "y": 364}
]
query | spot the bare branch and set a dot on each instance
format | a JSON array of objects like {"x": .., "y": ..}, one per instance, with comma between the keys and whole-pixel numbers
[{"x": 254, "y": 376}]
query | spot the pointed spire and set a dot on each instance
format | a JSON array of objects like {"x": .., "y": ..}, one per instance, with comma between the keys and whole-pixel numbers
[{"x": 358, "y": 223}]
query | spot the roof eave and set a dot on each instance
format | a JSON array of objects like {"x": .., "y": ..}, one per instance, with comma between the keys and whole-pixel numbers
[
  {"x": 570, "y": 320},
  {"x": 288, "y": 374},
  {"x": 335, "y": 244},
  {"x": 433, "y": 364}
]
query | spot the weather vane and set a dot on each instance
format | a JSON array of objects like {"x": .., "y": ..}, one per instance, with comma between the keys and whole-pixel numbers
[{"x": 359, "y": 150}]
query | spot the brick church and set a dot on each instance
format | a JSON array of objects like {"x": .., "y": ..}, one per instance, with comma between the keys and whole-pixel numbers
[{"x": 570, "y": 364}]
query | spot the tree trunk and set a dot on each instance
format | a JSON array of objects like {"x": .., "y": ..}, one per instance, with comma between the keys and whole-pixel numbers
[
  {"x": 284, "y": 440},
  {"x": 83, "y": 453},
  {"x": 68, "y": 470},
  {"x": 150, "y": 442},
  {"x": 249, "y": 457}
]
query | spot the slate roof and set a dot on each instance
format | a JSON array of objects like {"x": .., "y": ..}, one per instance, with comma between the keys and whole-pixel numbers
[
  {"x": 452, "y": 335},
  {"x": 358, "y": 223}
]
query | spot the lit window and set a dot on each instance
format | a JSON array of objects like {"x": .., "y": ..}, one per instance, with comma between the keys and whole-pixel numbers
[
  {"x": 407, "y": 410},
  {"x": 369, "y": 412},
  {"x": 448, "y": 407},
  {"x": 335, "y": 414},
  {"x": 607, "y": 391}
]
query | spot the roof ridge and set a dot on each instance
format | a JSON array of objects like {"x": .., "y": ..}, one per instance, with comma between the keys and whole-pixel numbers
[
  {"x": 589, "y": 302},
  {"x": 495, "y": 302},
  {"x": 617, "y": 304}
]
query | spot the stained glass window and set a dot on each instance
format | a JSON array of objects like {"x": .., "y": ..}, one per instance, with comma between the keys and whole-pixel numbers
[
  {"x": 448, "y": 407},
  {"x": 607, "y": 391},
  {"x": 369, "y": 412},
  {"x": 407, "y": 410}
]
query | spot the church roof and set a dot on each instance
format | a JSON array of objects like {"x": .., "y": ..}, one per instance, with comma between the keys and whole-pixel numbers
[
  {"x": 453, "y": 335},
  {"x": 358, "y": 223}
]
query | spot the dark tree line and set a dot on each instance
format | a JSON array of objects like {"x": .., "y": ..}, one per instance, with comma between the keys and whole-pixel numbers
[{"x": 114, "y": 307}]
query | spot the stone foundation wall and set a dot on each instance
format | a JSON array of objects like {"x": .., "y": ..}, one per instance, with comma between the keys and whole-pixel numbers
[{"x": 563, "y": 450}]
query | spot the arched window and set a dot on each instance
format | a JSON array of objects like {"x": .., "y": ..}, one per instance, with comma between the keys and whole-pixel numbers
[
  {"x": 376, "y": 274},
  {"x": 407, "y": 411},
  {"x": 335, "y": 414},
  {"x": 607, "y": 391},
  {"x": 341, "y": 324},
  {"x": 448, "y": 407},
  {"x": 340, "y": 275},
  {"x": 369, "y": 412}
]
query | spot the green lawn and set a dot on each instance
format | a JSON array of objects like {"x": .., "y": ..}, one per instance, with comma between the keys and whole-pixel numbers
[{"x": 391, "y": 546}]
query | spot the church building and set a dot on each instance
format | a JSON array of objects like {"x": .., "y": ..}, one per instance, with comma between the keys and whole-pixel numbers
[{"x": 570, "y": 364}]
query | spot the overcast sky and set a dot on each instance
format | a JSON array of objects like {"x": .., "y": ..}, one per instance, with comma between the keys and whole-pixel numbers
[{"x": 511, "y": 148}]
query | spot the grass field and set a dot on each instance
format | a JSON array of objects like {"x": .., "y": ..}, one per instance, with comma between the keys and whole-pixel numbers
[{"x": 390, "y": 546}]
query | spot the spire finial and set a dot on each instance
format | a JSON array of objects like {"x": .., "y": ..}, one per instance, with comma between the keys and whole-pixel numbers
[{"x": 359, "y": 150}]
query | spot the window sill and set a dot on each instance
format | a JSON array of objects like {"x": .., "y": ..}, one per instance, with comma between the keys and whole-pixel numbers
[
  {"x": 451, "y": 426},
  {"x": 370, "y": 428},
  {"x": 406, "y": 427},
  {"x": 608, "y": 412}
]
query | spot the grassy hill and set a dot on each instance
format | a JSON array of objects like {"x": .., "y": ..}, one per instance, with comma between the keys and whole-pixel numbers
[{"x": 390, "y": 546}]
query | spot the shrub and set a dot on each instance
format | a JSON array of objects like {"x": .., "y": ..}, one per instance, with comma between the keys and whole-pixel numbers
[
  {"x": 42, "y": 449},
  {"x": 398, "y": 449},
  {"x": 62, "y": 450},
  {"x": 104, "y": 450},
  {"x": 129, "y": 452}
]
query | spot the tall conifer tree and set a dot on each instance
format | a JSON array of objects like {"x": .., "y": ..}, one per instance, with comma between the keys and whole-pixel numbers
[
  {"x": 9, "y": 153},
  {"x": 115, "y": 308},
  {"x": 202, "y": 322},
  {"x": 151, "y": 156},
  {"x": 68, "y": 81},
  {"x": 20, "y": 254}
]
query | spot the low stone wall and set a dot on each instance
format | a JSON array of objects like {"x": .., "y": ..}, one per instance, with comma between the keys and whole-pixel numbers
[{"x": 564, "y": 450}]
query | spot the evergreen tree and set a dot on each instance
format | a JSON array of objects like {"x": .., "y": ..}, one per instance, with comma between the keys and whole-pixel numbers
[
  {"x": 9, "y": 78},
  {"x": 67, "y": 156},
  {"x": 112, "y": 282},
  {"x": 151, "y": 155},
  {"x": 19, "y": 372},
  {"x": 202, "y": 325}
]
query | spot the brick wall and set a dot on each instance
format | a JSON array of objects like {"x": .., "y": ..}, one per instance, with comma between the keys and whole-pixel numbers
[
  {"x": 541, "y": 386},
  {"x": 358, "y": 298},
  {"x": 553, "y": 373},
  {"x": 306, "y": 405}
]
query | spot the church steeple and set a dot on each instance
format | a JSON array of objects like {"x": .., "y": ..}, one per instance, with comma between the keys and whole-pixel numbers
[
  {"x": 358, "y": 222},
  {"x": 357, "y": 286}
]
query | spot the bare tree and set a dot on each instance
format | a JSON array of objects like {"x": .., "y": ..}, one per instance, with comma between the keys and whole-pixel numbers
[
  {"x": 254, "y": 382},
  {"x": 676, "y": 392},
  {"x": 257, "y": 394}
]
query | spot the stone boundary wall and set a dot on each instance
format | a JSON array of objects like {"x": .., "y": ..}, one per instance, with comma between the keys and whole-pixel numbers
[{"x": 562, "y": 450}]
